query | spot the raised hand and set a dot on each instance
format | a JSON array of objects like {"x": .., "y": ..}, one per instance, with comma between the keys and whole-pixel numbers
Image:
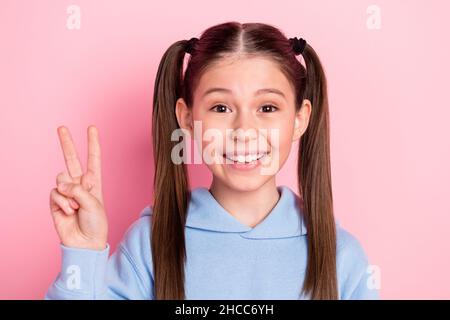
[{"x": 77, "y": 203}]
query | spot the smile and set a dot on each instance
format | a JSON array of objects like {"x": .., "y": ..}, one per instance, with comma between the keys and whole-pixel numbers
[{"x": 245, "y": 158}]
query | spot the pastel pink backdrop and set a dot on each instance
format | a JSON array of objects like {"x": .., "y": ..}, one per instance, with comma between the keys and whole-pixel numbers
[{"x": 388, "y": 106}]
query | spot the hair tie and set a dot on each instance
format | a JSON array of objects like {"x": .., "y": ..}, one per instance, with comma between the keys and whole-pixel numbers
[
  {"x": 298, "y": 45},
  {"x": 190, "y": 45}
]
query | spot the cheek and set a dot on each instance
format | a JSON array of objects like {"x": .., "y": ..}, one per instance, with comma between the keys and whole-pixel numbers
[
  {"x": 285, "y": 144},
  {"x": 210, "y": 121},
  {"x": 208, "y": 128},
  {"x": 281, "y": 142},
  {"x": 210, "y": 135}
]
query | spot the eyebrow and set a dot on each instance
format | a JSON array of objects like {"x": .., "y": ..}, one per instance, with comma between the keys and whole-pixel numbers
[{"x": 257, "y": 92}]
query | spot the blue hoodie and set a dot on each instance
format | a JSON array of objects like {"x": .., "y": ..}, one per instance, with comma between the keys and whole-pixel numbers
[{"x": 226, "y": 259}]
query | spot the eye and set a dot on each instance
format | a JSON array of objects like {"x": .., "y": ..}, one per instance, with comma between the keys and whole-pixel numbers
[
  {"x": 268, "y": 108},
  {"x": 221, "y": 108}
]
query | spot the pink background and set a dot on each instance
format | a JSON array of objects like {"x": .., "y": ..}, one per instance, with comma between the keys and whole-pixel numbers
[{"x": 389, "y": 122}]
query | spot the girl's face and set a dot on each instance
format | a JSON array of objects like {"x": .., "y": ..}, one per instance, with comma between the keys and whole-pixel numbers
[{"x": 244, "y": 106}]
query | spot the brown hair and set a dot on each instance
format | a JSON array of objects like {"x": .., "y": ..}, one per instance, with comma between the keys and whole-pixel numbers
[{"x": 171, "y": 186}]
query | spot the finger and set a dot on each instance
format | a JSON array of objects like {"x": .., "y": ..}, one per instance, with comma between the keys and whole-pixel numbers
[
  {"x": 64, "y": 177},
  {"x": 78, "y": 193},
  {"x": 94, "y": 155},
  {"x": 70, "y": 153},
  {"x": 59, "y": 202},
  {"x": 74, "y": 204},
  {"x": 88, "y": 183}
]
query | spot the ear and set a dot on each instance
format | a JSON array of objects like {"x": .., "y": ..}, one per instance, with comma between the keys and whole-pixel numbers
[
  {"x": 184, "y": 116},
  {"x": 302, "y": 119}
]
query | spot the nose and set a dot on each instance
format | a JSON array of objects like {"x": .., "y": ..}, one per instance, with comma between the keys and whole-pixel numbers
[{"x": 245, "y": 128}]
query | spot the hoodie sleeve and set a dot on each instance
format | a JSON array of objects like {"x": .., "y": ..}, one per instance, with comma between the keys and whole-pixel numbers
[
  {"x": 92, "y": 275},
  {"x": 357, "y": 281}
]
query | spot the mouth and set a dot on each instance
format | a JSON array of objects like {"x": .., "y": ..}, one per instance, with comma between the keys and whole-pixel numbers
[{"x": 246, "y": 158}]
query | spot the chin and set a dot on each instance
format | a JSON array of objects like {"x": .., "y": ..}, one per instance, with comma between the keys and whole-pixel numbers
[{"x": 243, "y": 183}]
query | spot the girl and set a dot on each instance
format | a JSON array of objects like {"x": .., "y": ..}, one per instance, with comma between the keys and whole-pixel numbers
[{"x": 243, "y": 237}]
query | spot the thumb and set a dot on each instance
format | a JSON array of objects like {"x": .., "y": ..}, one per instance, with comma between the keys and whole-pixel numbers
[
  {"x": 81, "y": 195},
  {"x": 87, "y": 181}
]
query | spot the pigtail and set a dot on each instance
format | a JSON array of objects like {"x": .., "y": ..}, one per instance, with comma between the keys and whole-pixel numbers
[
  {"x": 314, "y": 178},
  {"x": 171, "y": 193}
]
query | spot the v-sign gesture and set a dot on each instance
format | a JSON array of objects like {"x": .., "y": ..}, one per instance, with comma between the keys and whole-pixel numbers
[{"x": 77, "y": 203}]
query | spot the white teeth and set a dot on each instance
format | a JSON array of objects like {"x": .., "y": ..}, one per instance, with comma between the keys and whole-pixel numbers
[
  {"x": 246, "y": 159},
  {"x": 251, "y": 158}
]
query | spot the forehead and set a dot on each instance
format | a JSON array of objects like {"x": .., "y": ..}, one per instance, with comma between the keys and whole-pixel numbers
[{"x": 244, "y": 76}]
